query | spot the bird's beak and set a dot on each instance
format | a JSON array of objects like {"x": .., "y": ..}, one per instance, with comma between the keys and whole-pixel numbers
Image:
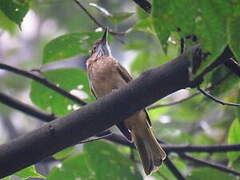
[
  {"x": 103, "y": 48},
  {"x": 104, "y": 37}
]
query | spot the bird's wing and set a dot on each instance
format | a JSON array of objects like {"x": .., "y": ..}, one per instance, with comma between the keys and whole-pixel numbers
[
  {"x": 124, "y": 73},
  {"x": 127, "y": 77},
  {"x": 93, "y": 92},
  {"x": 121, "y": 126}
]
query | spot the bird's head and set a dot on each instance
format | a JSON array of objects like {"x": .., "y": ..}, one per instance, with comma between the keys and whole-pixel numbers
[{"x": 101, "y": 47}]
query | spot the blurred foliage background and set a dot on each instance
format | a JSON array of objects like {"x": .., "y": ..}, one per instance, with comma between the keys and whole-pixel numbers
[{"x": 35, "y": 34}]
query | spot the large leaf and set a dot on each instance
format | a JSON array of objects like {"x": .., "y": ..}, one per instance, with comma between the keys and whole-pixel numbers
[
  {"x": 144, "y": 25},
  {"x": 69, "y": 45},
  {"x": 15, "y": 10},
  {"x": 99, "y": 161},
  {"x": 29, "y": 172},
  {"x": 6, "y": 23},
  {"x": 72, "y": 80},
  {"x": 234, "y": 138},
  {"x": 209, "y": 174},
  {"x": 64, "y": 153},
  {"x": 234, "y": 35},
  {"x": 206, "y": 19}
]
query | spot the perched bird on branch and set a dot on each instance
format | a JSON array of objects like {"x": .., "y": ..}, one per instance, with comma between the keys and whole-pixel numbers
[{"x": 105, "y": 75}]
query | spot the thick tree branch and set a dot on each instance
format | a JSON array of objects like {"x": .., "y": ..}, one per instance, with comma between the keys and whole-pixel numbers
[
  {"x": 42, "y": 81},
  {"x": 27, "y": 109},
  {"x": 94, "y": 118}
]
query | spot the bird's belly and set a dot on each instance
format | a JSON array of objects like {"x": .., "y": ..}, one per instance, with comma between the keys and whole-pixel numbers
[
  {"x": 104, "y": 77},
  {"x": 105, "y": 84}
]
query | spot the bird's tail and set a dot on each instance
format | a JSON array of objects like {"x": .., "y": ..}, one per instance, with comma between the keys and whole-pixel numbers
[{"x": 150, "y": 151}]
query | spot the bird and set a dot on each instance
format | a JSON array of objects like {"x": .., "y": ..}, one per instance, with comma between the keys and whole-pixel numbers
[{"x": 105, "y": 75}]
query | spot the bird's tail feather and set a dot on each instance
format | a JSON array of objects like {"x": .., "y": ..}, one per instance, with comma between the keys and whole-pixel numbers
[{"x": 150, "y": 151}]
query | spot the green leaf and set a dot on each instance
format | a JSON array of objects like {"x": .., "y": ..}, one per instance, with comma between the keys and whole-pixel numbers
[
  {"x": 227, "y": 86},
  {"x": 6, "y": 178},
  {"x": 29, "y": 172},
  {"x": 119, "y": 17},
  {"x": 206, "y": 19},
  {"x": 141, "y": 13},
  {"x": 6, "y": 24},
  {"x": 211, "y": 30},
  {"x": 146, "y": 60},
  {"x": 99, "y": 161},
  {"x": 72, "y": 80},
  {"x": 234, "y": 138},
  {"x": 234, "y": 35},
  {"x": 162, "y": 21},
  {"x": 64, "y": 153},
  {"x": 15, "y": 10},
  {"x": 144, "y": 25},
  {"x": 155, "y": 113},
  {"x": 209, "y": 174},
  {"x": 69, "y": 45}
]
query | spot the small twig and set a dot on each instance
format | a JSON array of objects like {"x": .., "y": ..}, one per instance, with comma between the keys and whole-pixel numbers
[
  {"x": 219, "y": 148},
  {"x": 211, "y": 164},
  {"x": 27, "y": 109},
  {"x": 96, "y": 21},
  {"x": 190, "y": 96},
  {"x": 174, "y": 169},
  {"x": 216, "y": 99},
  {"x": 172, "y": 103},
  {"x": 42, "y": 81}
]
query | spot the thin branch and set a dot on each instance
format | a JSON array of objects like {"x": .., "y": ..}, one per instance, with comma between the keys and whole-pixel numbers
[
  {"x": 219, "y": 148},
  {"x": 42, "y": 81},
  {"x": 216, "y": 99},
  {"x": 179, "y": 148},
  {"x": 144, "y": 4},
  {"x": 172, "y": 103},
  {"x": 211, "y": 164},
  {"x": 27, "y": 109},
  {"x": 174, "y": 169},
  {"x": 95, "y": 20},
  {"x": 190, "y": 96}
]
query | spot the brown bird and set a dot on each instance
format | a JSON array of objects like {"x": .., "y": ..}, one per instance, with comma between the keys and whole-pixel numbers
[{"x": 105, "y": 75}]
